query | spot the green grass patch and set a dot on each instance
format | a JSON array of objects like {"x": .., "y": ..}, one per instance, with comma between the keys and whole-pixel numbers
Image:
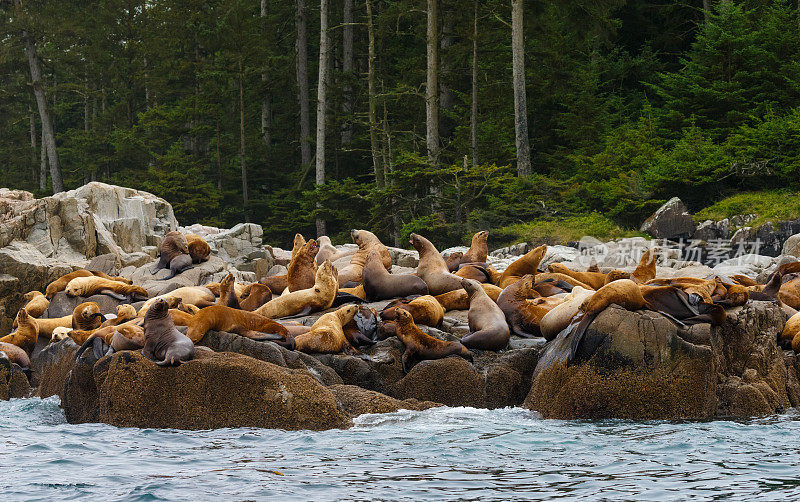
[
  {"x": 774, "y": 205},
  {"x": 562, "y": 230}
]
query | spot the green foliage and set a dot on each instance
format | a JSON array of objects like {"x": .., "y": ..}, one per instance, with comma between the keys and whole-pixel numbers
[
  {"x": 561, "y": 230},
  {"x": 774, "y": 205}
]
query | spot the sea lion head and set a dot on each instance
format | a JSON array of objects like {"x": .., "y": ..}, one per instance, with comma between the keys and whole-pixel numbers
[
  {"x": 60, "y": 333},
  {"x": 525, "y": 285},
  {"x": 480, "y": 237},
  {"x": 87, "y": 316},
  {"x": 326, "y": 277},
  {"x": 30, "y": 295},
  {"x": 363, "y": 237},
  {"x": 420, "y": 243},
  {"x": 470, "y": 286},
  {"x": 559, "y": 268},
  {"x": 310, "y": 248},
  {"x": 347, "y": 313},
  {"x": 403, "y": 317},
  {"x": 324, "y": 240},
  {"x": 158, "y": 310},
  {"x": 227, "y": 282},
  {"x": 126, "y": 311},
  {"x": 616, "y": 275},
  {"x": 74, "y": 288},
  {"x": 23, "y": 316},
  {"x": 173, "y": 302}
]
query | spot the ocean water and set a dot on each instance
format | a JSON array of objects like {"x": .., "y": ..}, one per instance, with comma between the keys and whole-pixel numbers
[{"x": 439, "y": 454}]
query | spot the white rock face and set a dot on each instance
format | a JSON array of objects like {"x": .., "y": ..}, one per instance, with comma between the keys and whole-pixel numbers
[{"x": 792, "y": 246}]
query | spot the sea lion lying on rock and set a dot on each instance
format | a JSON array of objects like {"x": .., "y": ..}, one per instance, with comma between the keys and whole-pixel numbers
[
  {"x": 199, "y": 250},
  {"x": 421, "y": 346},
  {"x": 327, "y": 333},
  {"x": 246, "y": 324},
  {"x": 319, "y": 297},
  {"x": 379, "y": 284},
  {"x": 61, "y": 283},
  {"x": 87, "y": 286}
]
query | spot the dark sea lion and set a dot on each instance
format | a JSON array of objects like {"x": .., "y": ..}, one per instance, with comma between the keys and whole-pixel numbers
[
  {"x": 551, "y": 287},
  {"x": 257, "y": 295},
  {"x": 422, "y": 346},
  {"x": 379, "y": 284},
  {"x": 682, "y": 307},
  {"x": 302, "y": 268},
  {"x": 230, "y": 320},
  {"x": 327, "y": 333},
  {"x": 363, "y": 329},
  {"x": 15, "y": 354},
  {"x": 164, "y": 344},
  {"x": 173, "y": 245},
  {"x": 366, "y": 241},
  {"x": 179, "y": 264},
  {"x": 487, "y": 323},
  {"x": 199, "y": 249},
  {"x": 432, "y": 267},
  {"x": 227, "y": 292},
  {"x": 475, "y": 272},
  {"x": 524, "y": 265},
  {"x": 769, "y": 292}
]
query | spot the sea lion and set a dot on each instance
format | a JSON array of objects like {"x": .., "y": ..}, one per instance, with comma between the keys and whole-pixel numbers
[
  {"x": 227, "y": 293},
  {"x": 87, "y": 286},
  {"x": 328, "y": 252},
  {"x": 478, "y": 250},
  {"x": 366, "y": 241},
  {"x": 682, "y": 307},
  {"x": 595, "y": 280},
  {"x": 703, "y": 288},
  {"x": 524, "y": 265},
  {"x": 327, "y": 333},
  {"x": 379, "y": 284},
  {"x": 60, "y": 333},
  {"x": 199, "y": 250},
  {"x": 242, "y": 290},
  {"x": 459, "y": 299},
  {"x": 561, "y": 315},
  {"x": 789, "y": 292},
  {"x": 744, "y": 280},
  {"x": 790, "y": 334},
  {"x": 299, "y": 241},
  {"x": 432, "y": 267},
  {"x": 162, "y": 342},
  {"x": 190, "y": 295},
  {"x": 524, "y": 308},
  {"x": 556, "y": 277},
  {"x": 173, "y": 245},
  {"x": 257, "y": 295},
  {"x": 616, "y": 275},
  {"x": 422, "y": 346},
  {"x": 16, "y": 354},
  {"x": 551, "y": 287},
  {"x": 646, "y": 269},
  {"x": 302, "y": 269},
  {"x": 320, "y": 297},
  {"x": 125, "y": 313},
  {"x": 37, "y": 304},
  {"x": 277, "y": 284},
  {"x": 87, "y": 316},
  {"x": 47, "y": 326},
  {"x": 177, "y": 265},
  {"x": 26, "y": 335},
  {"x": 487, "y": 323},
  {"x": 424, "y": 310},
  {"x": 357, "y": 291},
  {"x": 363, "y": 329},
  {"x": 61, "y": 283},
  {"x": 453, "y": 261},
  {"x": 475, "y": 272},
  {"x": 246, "y": 324},
  {"x": 126, "y": 336}
]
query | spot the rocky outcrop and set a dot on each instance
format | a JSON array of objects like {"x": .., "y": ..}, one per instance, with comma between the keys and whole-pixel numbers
[
  {"x": 214, "y": 390},
  {"x": 357, "y": 401},
  {"x": 670, "y": 221},
  {"x": 640, "y": 365}
]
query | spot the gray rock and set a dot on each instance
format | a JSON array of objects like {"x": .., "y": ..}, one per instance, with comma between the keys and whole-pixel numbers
[{"x": 670, "y": 221}]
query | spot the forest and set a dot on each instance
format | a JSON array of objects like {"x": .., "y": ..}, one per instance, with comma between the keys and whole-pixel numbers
[{"x": 438, "y": 116}]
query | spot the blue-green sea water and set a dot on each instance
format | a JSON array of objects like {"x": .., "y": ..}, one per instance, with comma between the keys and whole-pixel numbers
[{"x": 439, "y": 454}]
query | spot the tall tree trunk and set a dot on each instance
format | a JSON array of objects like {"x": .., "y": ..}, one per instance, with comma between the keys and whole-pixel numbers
[
  {"x": 302, "y": 83},
  {"x": 373, "y": 119},
  {"x": 245, "y": 202},
  {"x": 41, "y": 101},
  {"x": 347, "y": 69},
  {"x": 474, "y": 115},
  {"x": 33, "y": 140},
  {"x": 389, "y": 169},
  {"x": 446, "y": 96},
  {"x": 520, "y": 98},
  {"x": 266, "y": 112},
  {"x": 324, "y": 48},
  {"x": 219, "y": 160},
  {"x": 432, "y": 85},
  {"x": 707, "y": 9},
  {"x": 43, "y": 165}
]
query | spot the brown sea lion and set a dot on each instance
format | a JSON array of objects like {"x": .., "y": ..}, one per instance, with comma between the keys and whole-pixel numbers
[
  {"x": 789, "y": 292},
  {"x": 379, "y": 284},
  {"x": 616, "y": 275},
  {"x": 424, "y": 310},
  {"x": 422, "y": 346},
  {"x": 242, "y": 290},
  {"x": 227, "y": 293},
  {"x": 87, "y": 286},
  {"x": 432, "y": 267},
  {"x": 26, "y": 335},
  {"x": 302, "y": 269},
  {"x": 744, "y": 280},
  {"x": 646, "y": 270},
  {"x": 366, "y": 241},
  {"x": 164, "y": 344},
  {"x": 524, "y": 265},
  {"x": 327, "y": 333},
  {"x": 87, "y": 316},
  {"x": 257, "y": 295},
  {"x": 558, "y": 277},
  {"x": 126, "y": 336},
  {"x": 277, "y": 284},
  {"x": 37, "y": 304},
  {"x": 791, "y": 332},
  {"x": 299, "y": 241},
  {"x": 320, "y": 297},
  {"x": 15, "y": 354},
  {"x": 125, "y": 313},
  {"x": 199, "y": 250},
  {"x": 459, "y": 299},
  {"x": 47, "y": 326},
  {"x": 453, "y": 261},
  {"x": 61, "y": 283},
  {"x": 474, "y": 272},
  {"x": 488, "y": 329},
  {"x": 246, "y": 324},
  {"x": 562, "y": 314},
  {"x": 357, "y": 291},
  {"x": 478, "y": 250},
  {"x": 190, "y": 295},
  {"x": 173, "y": 245},
  {"x": 524, "y": 308},
  {"x": 595, "y": 280},
  {"x": 703, "y": 288}
]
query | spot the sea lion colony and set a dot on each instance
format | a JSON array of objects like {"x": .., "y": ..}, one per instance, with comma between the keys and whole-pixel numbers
[{"x": 557, "y": 304}]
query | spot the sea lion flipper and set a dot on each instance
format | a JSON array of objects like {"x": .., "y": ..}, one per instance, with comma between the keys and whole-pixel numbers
[
  {"x": 88, "y": 343},
  {"x": 100, "y": 348},
  {"x": 113, "y": 294},
  {"x": 260, "y": 336},
  {"x": 302, "y": 313}
]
